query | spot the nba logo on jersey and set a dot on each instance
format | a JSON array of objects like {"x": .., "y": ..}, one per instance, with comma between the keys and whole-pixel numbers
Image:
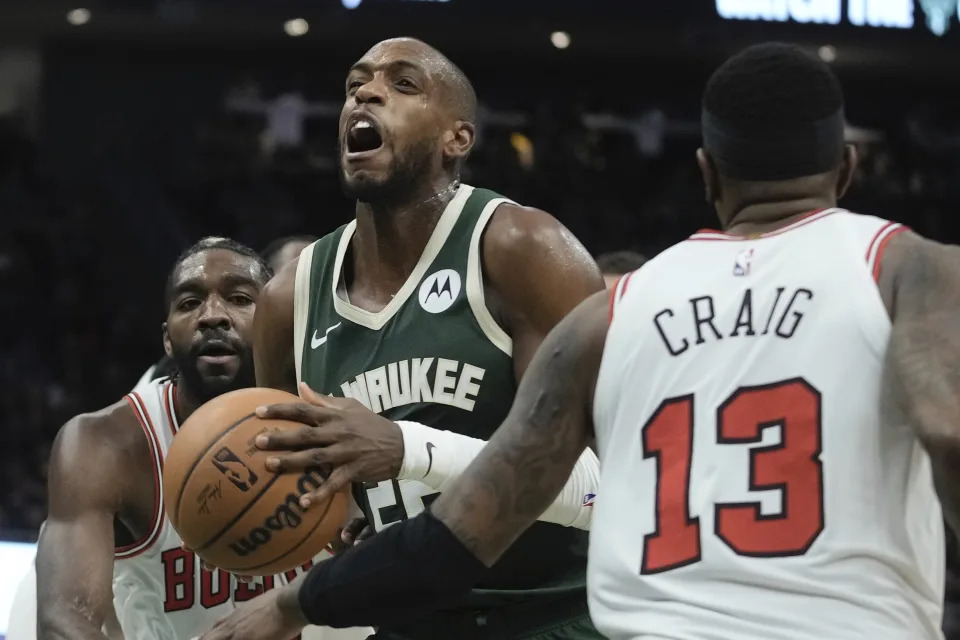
[
  {"x": 741, "y": 267},
  {"x": 588, "y": 499},
  {"x": 236, "y": 471}
]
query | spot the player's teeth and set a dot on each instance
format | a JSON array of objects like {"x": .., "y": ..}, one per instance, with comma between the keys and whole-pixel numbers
[{"x": 362, "y": 124}]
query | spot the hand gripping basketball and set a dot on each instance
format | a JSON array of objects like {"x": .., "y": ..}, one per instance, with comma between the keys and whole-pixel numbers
[{"x": 339, "y": 434}]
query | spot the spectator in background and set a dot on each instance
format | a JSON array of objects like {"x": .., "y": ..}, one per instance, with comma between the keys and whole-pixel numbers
[
  {"x": 618, "y": 263},
  {"x": 283, "y": 250}
]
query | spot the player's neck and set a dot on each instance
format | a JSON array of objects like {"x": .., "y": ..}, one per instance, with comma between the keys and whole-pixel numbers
[
  {"x": 763, "y": 217},
  {"x": 390, "y": 237},
  {"x": 184, "y": 403}
]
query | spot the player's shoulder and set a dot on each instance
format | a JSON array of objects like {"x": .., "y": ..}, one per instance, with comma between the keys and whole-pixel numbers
[
  {"x": 519, "y": 236},
  {"x": 516, "y": 227},
  {"x": 111, "y": 435}
]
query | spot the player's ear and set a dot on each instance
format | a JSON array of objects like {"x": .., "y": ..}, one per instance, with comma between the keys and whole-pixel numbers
[
  {"x": 458, "y": 142},
  {"x": 848, "y": 167},
  {"x": 711, "y": 181},
  {"x": 167, "y": 347}
]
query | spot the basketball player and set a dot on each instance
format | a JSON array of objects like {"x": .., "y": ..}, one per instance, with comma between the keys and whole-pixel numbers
[
  {"x": 105, "y": 467},
  {"x": 283, "y": 250},
  {"x": 428, "y": 307},
  {"x": 767, "y": 402},
  {"x": 618, "y": 263},
  {"x": 277, "y": 253}
]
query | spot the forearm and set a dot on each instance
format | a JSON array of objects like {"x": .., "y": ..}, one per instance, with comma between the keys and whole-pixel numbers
[
  {"x": 437, "y": 458},
  {"x": 67, "y": 622}
]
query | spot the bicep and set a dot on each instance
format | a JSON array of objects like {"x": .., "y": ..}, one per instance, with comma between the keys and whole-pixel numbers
[
  {"x": 75, "y": 553},
  {"x": 922, "y": 369},
  {"x": 273, "y": 333},
  {"x": 923, "y": 366},
  {"x": 528, "y": 460}
]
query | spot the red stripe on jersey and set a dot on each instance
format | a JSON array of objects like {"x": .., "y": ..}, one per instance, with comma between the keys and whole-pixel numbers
[
  {"x": 877, "y": 262},
  {"x": 805, "y": 219},
  {"x": 153, "y": 532},
  {"x": 170, "y": 405},
  {"x": 613, "y": 299},
  {"x": 876, "y": 237},
  {"x": 626, "y": 283}
]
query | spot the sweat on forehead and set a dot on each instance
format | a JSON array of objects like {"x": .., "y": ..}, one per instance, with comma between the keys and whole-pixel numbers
[{"x": 458, "y": 90}]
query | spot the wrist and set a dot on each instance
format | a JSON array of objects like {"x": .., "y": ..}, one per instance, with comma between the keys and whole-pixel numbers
[
  {"x": 416, "y": 458},
  {"x": 288, "y": 602}
]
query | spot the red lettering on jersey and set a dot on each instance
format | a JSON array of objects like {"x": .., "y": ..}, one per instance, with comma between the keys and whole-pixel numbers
[
  {"x": 668, "y": 437},
  {"x": 792, "y": 466},
  {"x": 178, "y": 576},
  {"x": 209, "y": 597},
  {"x": 293, "y": 573}
]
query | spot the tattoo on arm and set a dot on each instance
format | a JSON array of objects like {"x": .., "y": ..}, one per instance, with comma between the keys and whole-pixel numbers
[
  {"x": 527, "y": 462},
  {"x": 922, "y": 370}
]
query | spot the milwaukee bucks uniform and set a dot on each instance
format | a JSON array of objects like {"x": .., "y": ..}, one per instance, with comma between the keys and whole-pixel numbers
[{"x": 436, "y": 356}]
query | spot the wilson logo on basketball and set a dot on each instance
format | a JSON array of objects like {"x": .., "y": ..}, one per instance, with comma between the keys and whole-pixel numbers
[
  {"x": 286, "y": 516},
  {"x": 236, "y": 471}
]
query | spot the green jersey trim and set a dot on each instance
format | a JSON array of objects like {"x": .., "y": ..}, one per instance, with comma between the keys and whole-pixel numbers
[
  {"x": 475, "y": 295},
  {"x": 438, "y": 238},
  {"x": 301, "y": 305}
]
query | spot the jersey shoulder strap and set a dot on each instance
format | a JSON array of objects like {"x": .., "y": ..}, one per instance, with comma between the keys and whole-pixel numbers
[{"x": 316, "y": 261}]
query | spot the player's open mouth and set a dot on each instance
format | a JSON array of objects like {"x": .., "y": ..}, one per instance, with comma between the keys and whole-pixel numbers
[
  {"x": 217, "y": 352},
  {"x": 363, "y": 136}
]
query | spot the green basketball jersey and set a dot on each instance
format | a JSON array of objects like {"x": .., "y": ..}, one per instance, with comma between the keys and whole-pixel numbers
[{"x": 434, "y": 355}]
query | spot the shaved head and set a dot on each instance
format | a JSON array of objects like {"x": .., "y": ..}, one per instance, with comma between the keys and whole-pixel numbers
[
  {"x": 407, "y": 123},
  {"x": 459, "y": 95}
]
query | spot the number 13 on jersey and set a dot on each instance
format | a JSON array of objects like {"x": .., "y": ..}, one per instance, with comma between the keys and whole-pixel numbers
[{"x": 792, "y": 467}]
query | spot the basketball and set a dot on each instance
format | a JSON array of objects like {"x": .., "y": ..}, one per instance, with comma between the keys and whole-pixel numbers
[{"x": 227, "y": 507}]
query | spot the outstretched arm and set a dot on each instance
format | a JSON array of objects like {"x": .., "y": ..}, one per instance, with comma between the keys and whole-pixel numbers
[
  {"x": 518, "y": 474},
  {"x": 75, "y": 554},
  {"x": 432, "y": 560},
  {"x": 920, "y": 283}
]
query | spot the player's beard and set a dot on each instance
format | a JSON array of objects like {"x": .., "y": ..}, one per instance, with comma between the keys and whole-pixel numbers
[
  {"x": 407, "y": 171},
  {"x": 205, "y": 389}
]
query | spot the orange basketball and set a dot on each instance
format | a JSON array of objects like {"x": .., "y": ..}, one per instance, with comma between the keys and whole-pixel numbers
[{"x": 224, "y": 503}]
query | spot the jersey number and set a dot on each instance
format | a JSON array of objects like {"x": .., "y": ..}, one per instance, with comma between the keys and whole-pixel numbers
[
  {"x": 390, "y": 502},
  {"x": 792, "y": 466}
]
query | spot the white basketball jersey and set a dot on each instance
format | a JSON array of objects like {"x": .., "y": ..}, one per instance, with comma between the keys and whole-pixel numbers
[
  {"x": 160, "y": 591},
  {"x": 750, "y": 489}
]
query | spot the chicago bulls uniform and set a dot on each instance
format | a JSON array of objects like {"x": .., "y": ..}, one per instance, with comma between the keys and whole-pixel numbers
[
  {"x": 160, "y": 591},
  {"x": 751, "y": 487}
]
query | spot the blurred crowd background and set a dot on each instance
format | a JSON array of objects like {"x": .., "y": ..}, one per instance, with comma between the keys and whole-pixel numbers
[{"x": 130, "y": 128}]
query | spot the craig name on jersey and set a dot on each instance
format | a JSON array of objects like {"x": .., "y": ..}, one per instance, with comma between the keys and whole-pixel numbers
[
  {"x": 759, "y": 312},
  {"x": 417, "y": 380}
]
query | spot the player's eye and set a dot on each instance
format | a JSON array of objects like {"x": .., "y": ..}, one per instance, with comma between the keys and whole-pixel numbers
[
  {"x": 353, "y": 85},
  {"x": 406, "y": 83},
  {"x": 241, "y": 299},
  {"x": 188, "y": 304}
]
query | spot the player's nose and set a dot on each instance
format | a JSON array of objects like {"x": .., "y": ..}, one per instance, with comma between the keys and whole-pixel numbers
[
  {"x": 372, "y": 92},
  {"x": 214, "y": 314}
]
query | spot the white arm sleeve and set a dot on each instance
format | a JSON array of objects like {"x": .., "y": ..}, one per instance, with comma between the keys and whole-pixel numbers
[{"x": 437, "y": 458}]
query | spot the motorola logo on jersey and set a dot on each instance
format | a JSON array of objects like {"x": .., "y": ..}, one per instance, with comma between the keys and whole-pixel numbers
[
  {"x": 439, "y": 291},
  {"x": 236, "y": 471}
]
